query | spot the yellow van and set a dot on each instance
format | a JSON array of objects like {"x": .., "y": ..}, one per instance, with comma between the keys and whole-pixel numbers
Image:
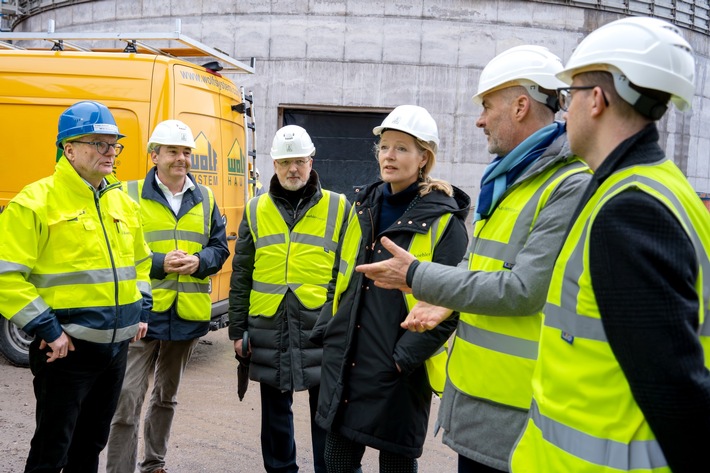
[{"x": 142, "y": 86}]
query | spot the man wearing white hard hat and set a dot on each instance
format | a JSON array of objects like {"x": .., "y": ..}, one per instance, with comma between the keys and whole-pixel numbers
[
  {"x": 186, "y": 234},
  {"x": 528, "y": 195},
  {"x": 622, "y": 380},
  {"x": 282, "y": 265}
]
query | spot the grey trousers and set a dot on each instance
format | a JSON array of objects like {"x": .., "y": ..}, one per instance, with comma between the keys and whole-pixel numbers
[{"x": 165, "y": 362}]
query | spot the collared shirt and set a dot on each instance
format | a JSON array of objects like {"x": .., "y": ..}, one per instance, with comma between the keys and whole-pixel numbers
[
  {"x": 101, "y": 185},
  {"x": 175, "y": 200}
]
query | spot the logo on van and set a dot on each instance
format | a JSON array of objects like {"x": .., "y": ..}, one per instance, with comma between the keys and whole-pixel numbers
[
  {"x": 204, "y": 162},
  {"x": 236, "y": 168}
]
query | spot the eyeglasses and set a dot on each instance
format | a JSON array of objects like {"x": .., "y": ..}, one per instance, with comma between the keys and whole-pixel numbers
[
  {"x": 286, "y": 163},
  {"x": 102, "y": 146},
  {"x": 564, "y": 95}
]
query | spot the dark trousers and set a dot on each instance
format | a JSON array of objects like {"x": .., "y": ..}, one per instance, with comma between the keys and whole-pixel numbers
[
  {"x": 342, "y": 455},
  {"x": 278, "y": 445},
  {"x": 466, "y": 465},
  {"x": 76, "y": 398}
]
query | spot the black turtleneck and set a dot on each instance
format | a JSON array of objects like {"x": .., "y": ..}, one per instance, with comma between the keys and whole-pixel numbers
[{"x": 394, "y": 205}]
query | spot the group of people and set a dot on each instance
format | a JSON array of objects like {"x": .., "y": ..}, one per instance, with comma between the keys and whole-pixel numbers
[{"x": 576, "y": 312}]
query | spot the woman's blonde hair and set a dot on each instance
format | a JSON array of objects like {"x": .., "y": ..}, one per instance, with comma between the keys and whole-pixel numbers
[{"x": 426, "y": 182}]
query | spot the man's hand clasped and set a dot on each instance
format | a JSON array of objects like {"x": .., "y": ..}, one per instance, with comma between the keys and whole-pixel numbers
[{"x": 177, "y": 261}]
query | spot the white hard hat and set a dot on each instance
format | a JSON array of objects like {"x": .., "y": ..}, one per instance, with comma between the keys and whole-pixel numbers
[
  {"x": 528, "y": 66},
  {"x": 171, "y": 133},
  {"x": 648, "y": 52},
  {"x": 413, "y": 120},
  {"x": 292, "y": 141}
]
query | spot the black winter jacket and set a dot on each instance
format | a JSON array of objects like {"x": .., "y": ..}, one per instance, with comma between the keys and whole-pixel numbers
[
  {"x": 168, "y": 325},
  {"x": 282, "y": 354},
  {"x": 363, "y": 396}
]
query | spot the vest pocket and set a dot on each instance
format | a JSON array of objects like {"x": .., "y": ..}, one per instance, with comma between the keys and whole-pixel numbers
[
  {"x": 72, "y": 233},
  {"x": 122, "y": 229}
]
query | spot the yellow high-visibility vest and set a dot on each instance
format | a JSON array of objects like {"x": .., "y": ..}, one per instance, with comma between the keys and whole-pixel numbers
[
  {"x": 503, "y": 349},
  {"x": 300, "y": 259},
  {"x": 583, "y": 416},
  {"x": 191, "y": 234}
]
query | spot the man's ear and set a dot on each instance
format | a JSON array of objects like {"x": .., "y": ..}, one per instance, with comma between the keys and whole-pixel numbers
[
  {"x": 599, "y": 102},
  {"x": 69, "y": 151},
  {"x": 521, "y": 107}
]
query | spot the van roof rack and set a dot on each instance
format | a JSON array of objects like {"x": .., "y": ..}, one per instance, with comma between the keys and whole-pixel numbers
[{"x": 135, "y": 43}]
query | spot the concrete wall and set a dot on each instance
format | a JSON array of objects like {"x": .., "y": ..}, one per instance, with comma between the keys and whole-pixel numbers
[{"x": 383, "y": 53}]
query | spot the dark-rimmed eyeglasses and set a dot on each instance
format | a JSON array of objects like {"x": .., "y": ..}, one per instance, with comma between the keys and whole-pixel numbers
[
  {"x": 564, "y": 95},
  {"x": 286, "y": 163},
  {"x": 102, "y": 147}
]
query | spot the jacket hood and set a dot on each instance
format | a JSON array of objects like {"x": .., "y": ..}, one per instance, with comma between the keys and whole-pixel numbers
[
  {"x": 462, "y": 201},
  {"x": 432, "y": 204}
]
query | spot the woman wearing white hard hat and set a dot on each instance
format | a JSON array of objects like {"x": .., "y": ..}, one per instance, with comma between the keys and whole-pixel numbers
[{"x": 375, "y": 389}]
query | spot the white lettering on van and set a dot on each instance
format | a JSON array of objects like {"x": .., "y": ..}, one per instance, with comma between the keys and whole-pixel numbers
[{"x": 209, "y": 79}]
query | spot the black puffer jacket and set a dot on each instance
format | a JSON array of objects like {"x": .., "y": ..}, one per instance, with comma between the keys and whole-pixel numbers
[
  {"x": 282, "y": 354},
  {"x": 362, "y": 395}
]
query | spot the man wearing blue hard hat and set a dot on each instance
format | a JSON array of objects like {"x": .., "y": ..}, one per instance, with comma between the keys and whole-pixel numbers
[{"x": 74, "y": 273}]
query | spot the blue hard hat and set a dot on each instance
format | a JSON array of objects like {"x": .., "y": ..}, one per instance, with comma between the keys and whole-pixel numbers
[{"x": 85, "y": 118}]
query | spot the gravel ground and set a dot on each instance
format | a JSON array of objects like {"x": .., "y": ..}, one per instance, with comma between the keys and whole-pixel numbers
[{"x": 212, "y": 430}]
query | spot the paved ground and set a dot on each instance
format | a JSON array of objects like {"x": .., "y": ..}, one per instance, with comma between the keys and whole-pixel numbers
[{"x": 213, "y": 431}]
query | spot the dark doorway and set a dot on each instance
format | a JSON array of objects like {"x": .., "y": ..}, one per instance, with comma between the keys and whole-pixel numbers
[{"x": 344, "y": 143}]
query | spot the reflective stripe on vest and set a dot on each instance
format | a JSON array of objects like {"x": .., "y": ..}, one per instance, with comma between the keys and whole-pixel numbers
[
  {"x": 87, "y": 256},
  {"x": 422, "y": 247},
  {"x": 504, "y": 349},
  {"x": 300, "y": 259},
  {"x": 584, "y": 417},
  {"x": 164, "y": 233},
  {"x": 348, "y": 256}
]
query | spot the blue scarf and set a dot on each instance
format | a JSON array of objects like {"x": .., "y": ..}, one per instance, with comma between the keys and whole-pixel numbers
[{"x": 502, "y": 172}]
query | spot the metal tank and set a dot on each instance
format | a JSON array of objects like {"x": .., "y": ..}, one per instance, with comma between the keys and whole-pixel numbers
[{"x": 357, "y": 57}]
